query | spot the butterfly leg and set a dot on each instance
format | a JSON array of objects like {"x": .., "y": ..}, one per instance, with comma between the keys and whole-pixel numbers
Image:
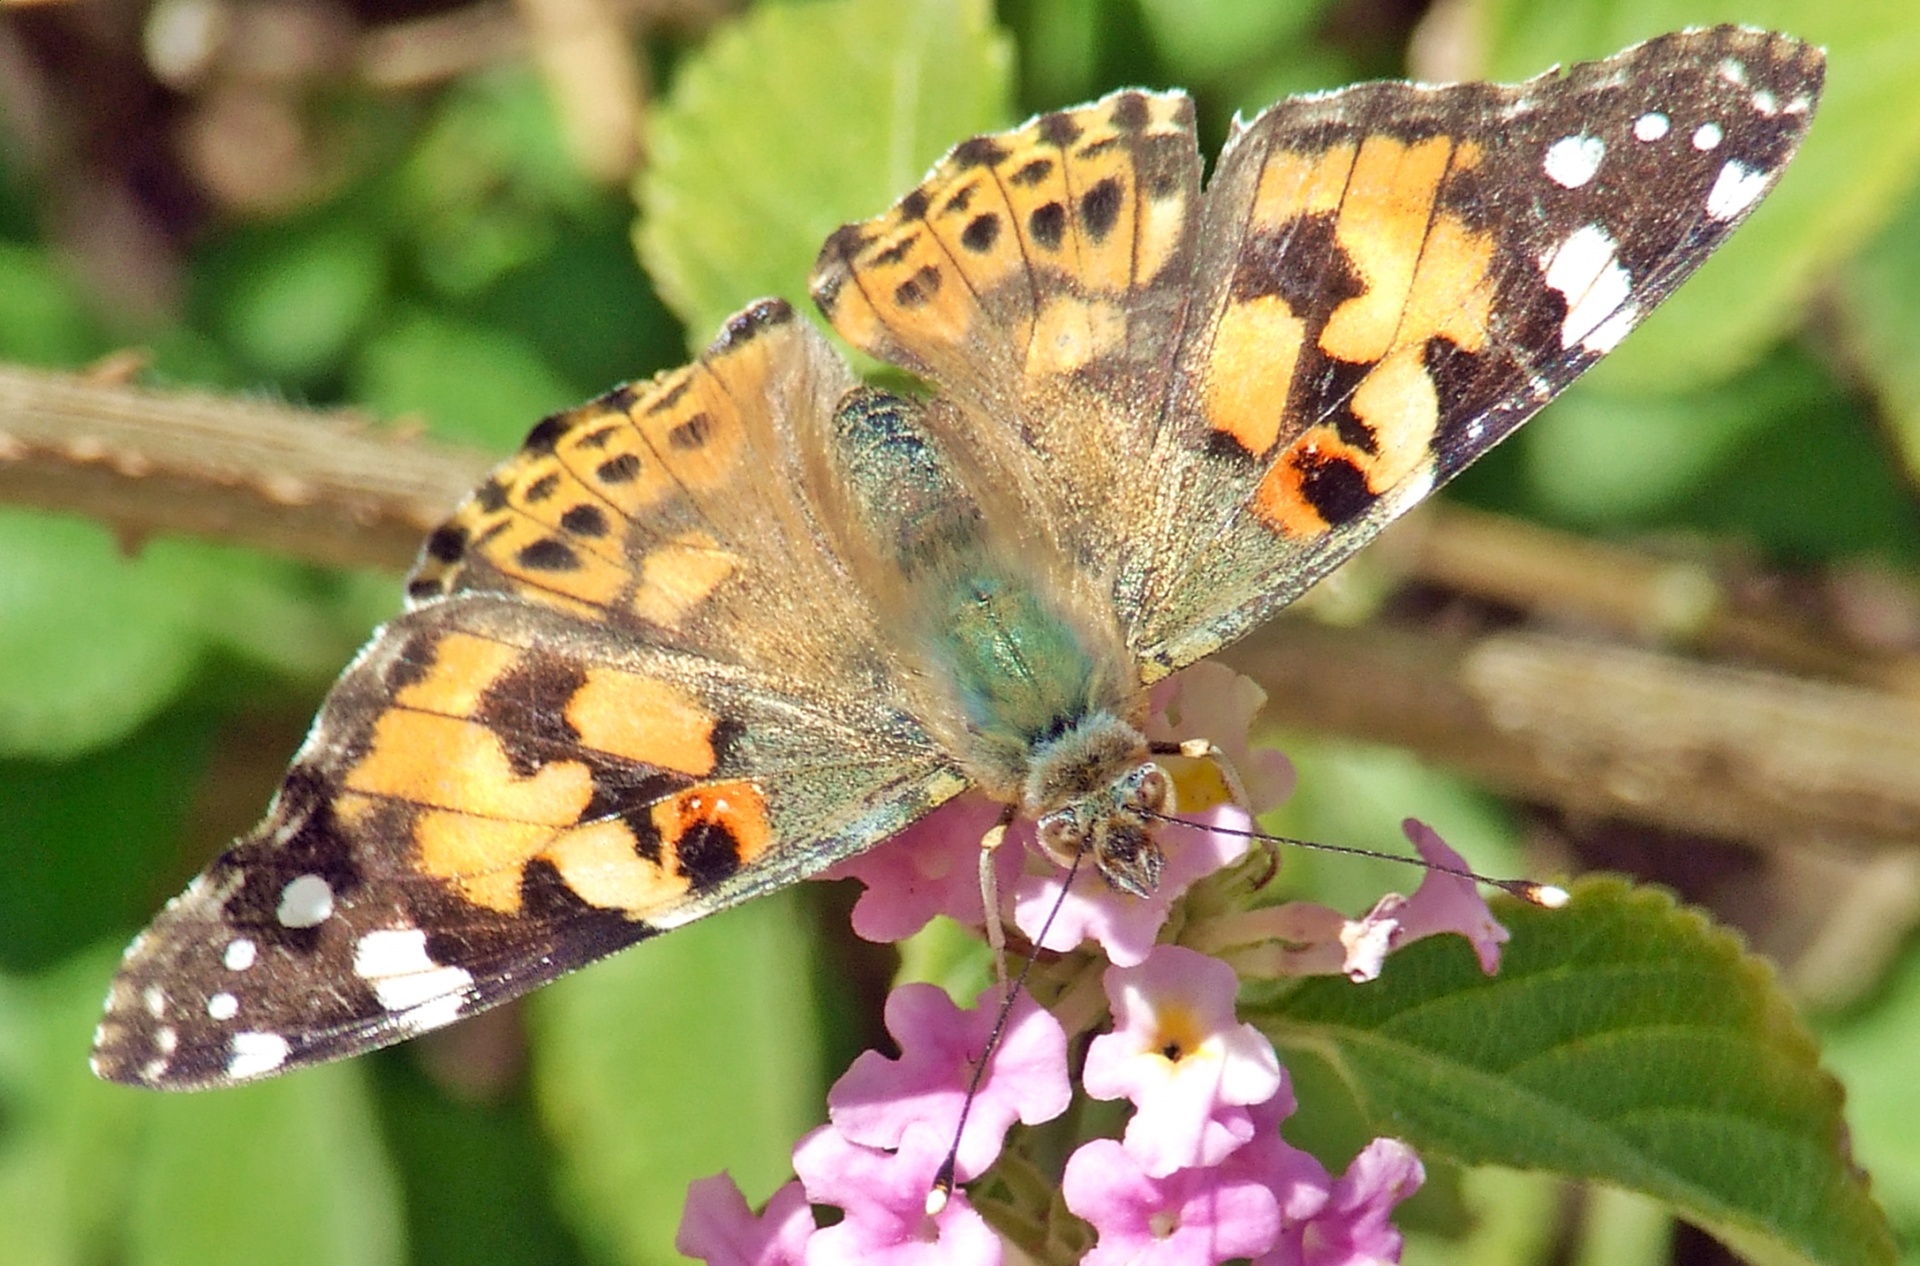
[{"x": 990, "y": 892}]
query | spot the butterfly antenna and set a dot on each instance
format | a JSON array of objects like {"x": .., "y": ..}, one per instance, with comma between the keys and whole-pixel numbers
[
  {"x": 1546, "y": 896},
  {"x": 942, "y": 1189}
]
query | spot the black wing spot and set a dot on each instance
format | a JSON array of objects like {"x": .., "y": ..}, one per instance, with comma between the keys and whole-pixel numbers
[
  {"x": 707, "y": 854},
  {"x": 918, "y": 289},
  {"x": 545, "y": 434},
  {"x": 598, "y": 439},
  {"x": 584, "y": 520},
  {"x": 914, "y": 205},
  {"x": 1032, "y": 173},
  {"x": 670, "y": 397},
  {"x": 1059, "y": 129},
  {"x": 1130, "y": 112},
  {"x": 980, "y": 151},
  {"x": 1048, "y": 225},
  {"x": 542, "y": 488},
  {"x": 691, "y": 434},
  {"x": 897, "y": 252},
  {"x": 618, "y": 470},
  {"x": 981, "y": 233},
  {"x": 1334, "y": 486},
  {"x": 491, "y": 496},
  {"x": 526, "y": 709},
  {"x": 547, "y": 554},
  {"x": 1100, "y": 207},
  {"x": 447, "y": 544}
]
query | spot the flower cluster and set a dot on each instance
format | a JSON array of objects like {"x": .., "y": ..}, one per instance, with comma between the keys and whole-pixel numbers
[{"x": 1200, "y": 1173}]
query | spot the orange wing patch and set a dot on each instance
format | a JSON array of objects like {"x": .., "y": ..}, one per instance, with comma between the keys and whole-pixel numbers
[
  {"x": 600, "y": 509},
  {"x": 1014, "y": 259},
  {"x": 498, "y": 756},
  {"x": 1353, "y": 263}
]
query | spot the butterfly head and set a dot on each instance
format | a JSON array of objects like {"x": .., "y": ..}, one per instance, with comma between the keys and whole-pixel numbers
[{"x": 1095, "y": 791}]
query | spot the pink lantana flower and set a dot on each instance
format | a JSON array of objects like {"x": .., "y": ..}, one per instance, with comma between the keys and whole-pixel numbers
[
  {"x": 878, "y": 1099},
  {"x": 884, "y": 1195},
  {"x": 1303, "y": 938},
  {"x": 1299, "y": 1182},
  {"x": 719, "y": 1229},
  {"x": 1191, "y": 1217},
  {"x": 1356, "y": 1228},
  {"x": 1178, "y": 1052},
  {"x": 931, "y": 868}
]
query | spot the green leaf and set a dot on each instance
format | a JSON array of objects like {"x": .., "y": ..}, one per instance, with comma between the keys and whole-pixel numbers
[
  {"x": 1778, "y": 456},
  {"x": 795, "y": 120},
  {"x": 1858, "y": 161},
  {"x": 490, "y": 185},
  {"x": 1879, "y": 301},
  {"x": 1624, "y": 1041},
  {"x": 289, "y": 299},
  {"x": 471, "y": 382},
  {"x": 42, "y": 318},
  {"x": 65, "y": 1137},
  {"x": 1873, "y": 1053},
  {"x": 1204, "y": 40},
  {"x": 87, "y": 837},
  {"x": 685, "y": 1056},
  {"x": 93, "y": 642},
  {"x": 289, "y": 1172}
]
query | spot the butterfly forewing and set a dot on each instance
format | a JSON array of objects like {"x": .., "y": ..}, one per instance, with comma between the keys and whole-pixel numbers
[
  {"x": 585, "y": 730},
  {"x": 1394, "y": 276}
]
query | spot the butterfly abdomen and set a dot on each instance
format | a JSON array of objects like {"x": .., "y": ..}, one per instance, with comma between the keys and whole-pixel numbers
[{"x": 1014, "y": 667}]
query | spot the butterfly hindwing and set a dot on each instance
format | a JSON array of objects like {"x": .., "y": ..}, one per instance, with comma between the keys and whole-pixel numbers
[{"x": 1039, "y": 277}]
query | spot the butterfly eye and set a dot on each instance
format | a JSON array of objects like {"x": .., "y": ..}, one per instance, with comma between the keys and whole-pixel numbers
[{"x": 1149, "y": 789}]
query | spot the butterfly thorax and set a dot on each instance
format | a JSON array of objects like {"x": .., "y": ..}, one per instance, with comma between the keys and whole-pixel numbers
[{"x": 1030, "y": 693}]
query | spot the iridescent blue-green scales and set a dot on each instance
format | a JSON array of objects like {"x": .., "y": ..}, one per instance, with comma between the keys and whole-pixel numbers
[{"x": 1049, "y": 725}]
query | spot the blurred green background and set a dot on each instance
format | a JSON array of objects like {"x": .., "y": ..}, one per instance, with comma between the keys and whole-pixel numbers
[{"x": 428, "y": 211}]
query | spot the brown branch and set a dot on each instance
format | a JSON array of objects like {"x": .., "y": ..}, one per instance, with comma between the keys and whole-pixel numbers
[
  {"x": 1679, "y": 602},
  {"x": 1610, "y": 730},
  {"x": 1594, "y": 727},
  {"x": 319, "y": 487}
]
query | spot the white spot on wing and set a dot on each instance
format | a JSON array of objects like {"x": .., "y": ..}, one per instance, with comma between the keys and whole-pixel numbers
[
  {"x": 256, "y": 1054},
  {"x": 431, "y": 1015},
  {"x": 1733, "y": 72},
  {"x": 1707, "y": 136},
  {"x": 1572, "y": 160},
  {"x": 1607, "y": 335},
  {"x": 395, "y": 962},
  {"x": 223, "y": 1006},
  {"x": 305, "y": 902},
  {"x": 1651, "y": 126},
  {"x": 1734, "y": 190},
  {"x": 1766, "y": 103},
  {"x": 166, "y": 1039},
  {"x": 240, "y": 954},
  {"x": 1585, "y": 268},
  {"x": 155, "y": 1001}
]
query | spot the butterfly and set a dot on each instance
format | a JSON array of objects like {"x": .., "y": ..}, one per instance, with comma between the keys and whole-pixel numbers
[{"x": 708, "y": 634}]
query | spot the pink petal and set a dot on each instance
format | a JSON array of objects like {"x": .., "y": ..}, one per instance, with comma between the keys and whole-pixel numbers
[
  {"x": 718, "y": 1228},
  {"x": 877, "y": 1100}
]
